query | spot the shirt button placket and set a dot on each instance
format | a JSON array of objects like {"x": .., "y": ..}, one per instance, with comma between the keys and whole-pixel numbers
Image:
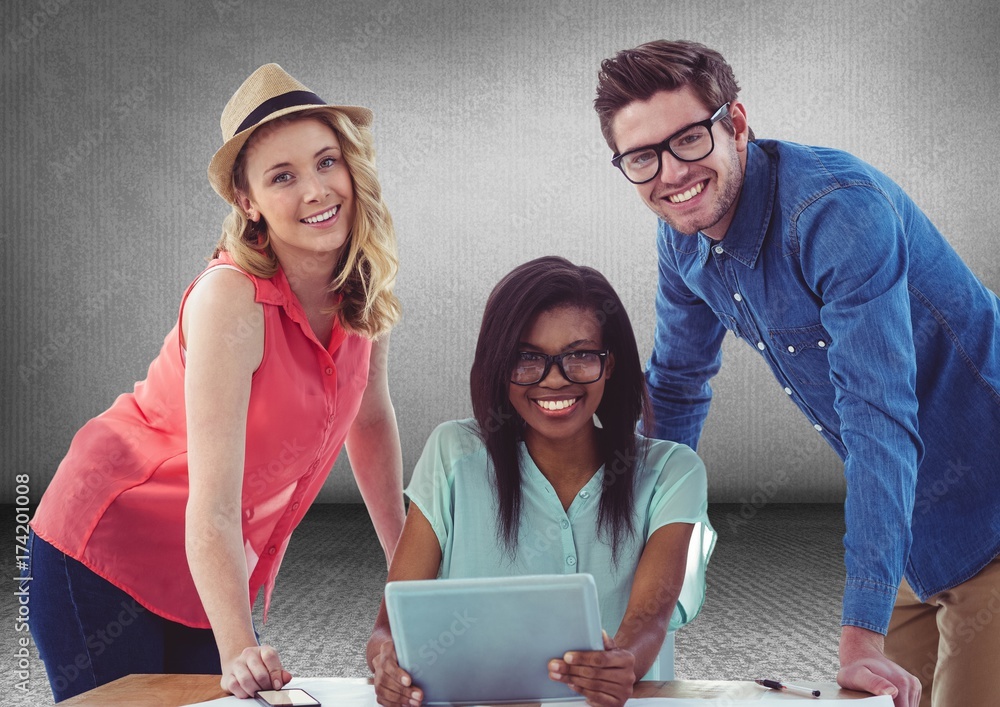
[
  {"x": 750, "y": 331},
  {"x": 568, "y": 544}
]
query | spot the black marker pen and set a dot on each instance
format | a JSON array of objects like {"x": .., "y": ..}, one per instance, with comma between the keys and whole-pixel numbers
[{"x": 775, "y": 685}]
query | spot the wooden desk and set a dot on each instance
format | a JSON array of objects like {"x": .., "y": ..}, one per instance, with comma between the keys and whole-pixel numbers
[{"x": 174, "y": 690}]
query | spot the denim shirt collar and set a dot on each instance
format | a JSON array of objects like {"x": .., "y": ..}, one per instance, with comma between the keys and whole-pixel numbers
[{"x": 753, "y": 212}]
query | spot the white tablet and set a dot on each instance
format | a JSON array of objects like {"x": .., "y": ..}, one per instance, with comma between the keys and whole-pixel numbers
[{"x": 490, "y": 640}]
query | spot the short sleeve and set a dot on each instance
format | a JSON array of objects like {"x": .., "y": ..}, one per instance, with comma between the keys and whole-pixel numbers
[
  {"x": 681, "y": 496},
  {"x": 430, "y": 486}
]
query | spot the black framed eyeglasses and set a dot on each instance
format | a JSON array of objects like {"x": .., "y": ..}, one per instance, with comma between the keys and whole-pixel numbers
[
  {"x": 689, "y": 144},
  {"x": 576, "y": 366}
]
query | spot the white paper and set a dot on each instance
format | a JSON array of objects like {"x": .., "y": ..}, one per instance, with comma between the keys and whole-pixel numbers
[
  {"x": 356, "y": 692},
  {"x": 335, "y": 692},
  {"x": 772, "y": 697}
]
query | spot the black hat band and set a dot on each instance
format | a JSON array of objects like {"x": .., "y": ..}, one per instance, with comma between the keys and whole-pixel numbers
[{"x": 273, "y": 105}]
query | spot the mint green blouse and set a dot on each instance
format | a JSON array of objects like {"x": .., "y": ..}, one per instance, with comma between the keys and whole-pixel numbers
[{"x": 452, "y": 487}]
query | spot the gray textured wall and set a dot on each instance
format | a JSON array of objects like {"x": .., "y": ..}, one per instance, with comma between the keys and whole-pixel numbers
[{"x": 489, "y": 154}]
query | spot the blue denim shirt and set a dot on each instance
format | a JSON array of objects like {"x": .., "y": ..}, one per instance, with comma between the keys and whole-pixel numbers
[{"x": 878, "y": 332}]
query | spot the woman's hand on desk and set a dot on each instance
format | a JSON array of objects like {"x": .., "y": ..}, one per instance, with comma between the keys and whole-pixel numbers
[
  {"x": 605, "y": 677},
  {"x": 256, "y": 668},
  {"x": 392, "y": 683}
]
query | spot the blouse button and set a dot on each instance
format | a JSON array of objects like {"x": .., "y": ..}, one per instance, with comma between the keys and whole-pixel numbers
[
  {"x": 565, "y": 523},
  {"x": 738, "y": 297},
  {"x": 585, "y": 494},
  {"x": 295, "y": 506},
  {"x": 760, "y": 345},
  {"x": 329, "y": 371},
  {"x": 818, "y": 428},
  {"x": 271, "y": 550},
  {"x": 791, "y": 349},
  {"x": 570, "y": 560},
  {"x": 719, "y": 249},
  {"x": 788, "y": 391},
  {"x": 821, "y": 344}
]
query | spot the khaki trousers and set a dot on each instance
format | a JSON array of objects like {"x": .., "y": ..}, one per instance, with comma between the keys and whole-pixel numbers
[{"x": 951, "y": 642}]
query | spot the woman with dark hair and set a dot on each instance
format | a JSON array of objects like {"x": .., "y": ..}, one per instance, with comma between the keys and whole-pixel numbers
[{"x": 552, "y": 455}]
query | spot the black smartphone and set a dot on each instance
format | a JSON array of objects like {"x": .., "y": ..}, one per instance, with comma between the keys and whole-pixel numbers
[{"x": 286, "y": 698}]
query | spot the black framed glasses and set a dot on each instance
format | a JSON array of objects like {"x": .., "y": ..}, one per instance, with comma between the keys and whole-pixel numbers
[
  {"x": 576, "y": 366},
  {"x": 689, "y": 144}
]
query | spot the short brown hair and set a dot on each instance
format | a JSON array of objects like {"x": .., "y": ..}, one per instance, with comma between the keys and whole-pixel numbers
[{"x": 637, "y": 74}]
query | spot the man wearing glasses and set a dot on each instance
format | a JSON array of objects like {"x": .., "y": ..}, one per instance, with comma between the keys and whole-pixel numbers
[{"x": 873, "y": 326}]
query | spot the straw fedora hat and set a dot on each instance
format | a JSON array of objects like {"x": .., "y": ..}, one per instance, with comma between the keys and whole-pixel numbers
[{"x": 269, "y": 93}]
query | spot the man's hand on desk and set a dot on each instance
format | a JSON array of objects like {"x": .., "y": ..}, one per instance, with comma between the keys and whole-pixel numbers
[
  {"x": 392, "y": 683},
  {"x": 863, "y": 666},
  {"x": 605, "y": 678},
  {"x": 255, "y": 668}
]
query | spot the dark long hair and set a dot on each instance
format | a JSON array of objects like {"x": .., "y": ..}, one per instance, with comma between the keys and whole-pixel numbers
[{"x": 539, "y": 286}]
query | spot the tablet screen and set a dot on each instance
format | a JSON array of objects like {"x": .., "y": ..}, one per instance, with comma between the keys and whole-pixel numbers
[{"x": 490, "y": 639}]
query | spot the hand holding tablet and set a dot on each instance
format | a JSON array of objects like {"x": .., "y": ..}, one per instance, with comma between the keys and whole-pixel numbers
[{"x": 609, "y": 673}]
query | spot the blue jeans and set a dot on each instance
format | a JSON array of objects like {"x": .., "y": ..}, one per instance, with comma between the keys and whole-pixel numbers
[{"x": 90, "y": 632}]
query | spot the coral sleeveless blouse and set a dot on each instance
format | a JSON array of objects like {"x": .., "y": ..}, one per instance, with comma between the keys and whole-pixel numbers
[{"x": 118, "y": 498}]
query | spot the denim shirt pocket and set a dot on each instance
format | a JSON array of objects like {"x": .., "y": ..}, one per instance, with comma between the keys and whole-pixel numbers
[{"x": 803, "y": 351}]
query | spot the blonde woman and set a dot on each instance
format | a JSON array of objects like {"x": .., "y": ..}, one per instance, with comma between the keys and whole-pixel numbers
[{"x": 173, "y": 508}]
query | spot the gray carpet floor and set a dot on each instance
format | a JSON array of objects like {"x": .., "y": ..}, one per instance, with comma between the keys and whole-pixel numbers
[{"x": 773, "y": 605}]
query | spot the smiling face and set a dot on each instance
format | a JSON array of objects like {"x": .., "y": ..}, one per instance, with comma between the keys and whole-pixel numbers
[
  {"x": 689, "y": 196},
  {"x": 300, "y": 185},
  {"x": 554, "y": 409}
]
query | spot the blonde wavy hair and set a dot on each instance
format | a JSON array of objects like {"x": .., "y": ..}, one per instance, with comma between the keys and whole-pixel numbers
[{"x": 368, "y": 265}]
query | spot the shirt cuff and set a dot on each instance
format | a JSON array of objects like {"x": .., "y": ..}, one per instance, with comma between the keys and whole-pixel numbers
[{"x": 868, "y": 604}]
